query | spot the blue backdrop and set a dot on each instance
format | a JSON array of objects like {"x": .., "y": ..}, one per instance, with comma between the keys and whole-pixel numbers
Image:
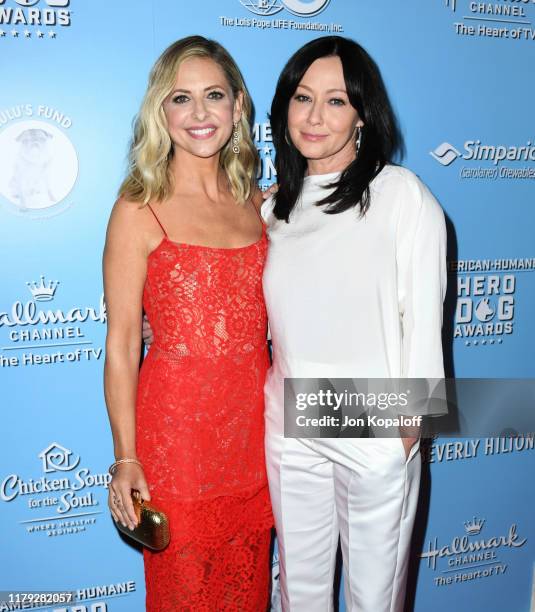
[{"x": 74, "y": 72}]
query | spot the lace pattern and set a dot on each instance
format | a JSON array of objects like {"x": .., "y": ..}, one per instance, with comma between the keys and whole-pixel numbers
[{"x": 200, "y": 427}]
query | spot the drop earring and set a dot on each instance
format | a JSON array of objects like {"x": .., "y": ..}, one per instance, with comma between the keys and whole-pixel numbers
[
  {"x": 236, "y": 139},
  {"x": 359, "y": 138},
  {"x": 286, "y": 137}
]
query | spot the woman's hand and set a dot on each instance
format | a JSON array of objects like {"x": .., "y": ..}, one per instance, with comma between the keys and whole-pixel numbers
[
  {"x": 146, "y": 331},
  {"x": 408, "y": 443},
  {"x": 270, "y": 191},
  {"x": 409, "y": 435},
  {"x": 127, "y": 476}
]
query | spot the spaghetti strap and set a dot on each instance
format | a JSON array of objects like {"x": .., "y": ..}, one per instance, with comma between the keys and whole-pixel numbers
[{"x": 157, "y": 220}]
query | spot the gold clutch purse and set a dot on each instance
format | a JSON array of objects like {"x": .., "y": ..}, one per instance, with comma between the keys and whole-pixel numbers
[{"x": 152, "y": 528}]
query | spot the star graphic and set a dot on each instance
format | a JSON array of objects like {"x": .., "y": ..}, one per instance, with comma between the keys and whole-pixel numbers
[
  {"x": 52, "y": 34},
  {"x": 27, "y": 33},
  {"x": 2, "y": 33},
  {"x": 40, "y": 34},
  {"x": 267, "y": 150},
  {"x": 14, "y": 33}
]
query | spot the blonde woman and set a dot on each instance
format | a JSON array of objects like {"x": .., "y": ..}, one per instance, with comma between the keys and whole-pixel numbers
[{"x": 186, "y": 244}]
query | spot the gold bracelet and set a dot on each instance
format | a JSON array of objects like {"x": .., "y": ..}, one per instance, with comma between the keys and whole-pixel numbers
[{"x": 113, "y": 467}]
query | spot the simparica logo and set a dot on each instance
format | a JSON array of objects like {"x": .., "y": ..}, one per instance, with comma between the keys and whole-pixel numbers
[
  {"x": 474, "y": 150},
  {"x": 445, "y": 154}
]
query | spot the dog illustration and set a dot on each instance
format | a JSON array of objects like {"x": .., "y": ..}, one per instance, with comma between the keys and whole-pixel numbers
[
  {"x": 30, "y": 185},
  {"x": 483, "y": 310}
]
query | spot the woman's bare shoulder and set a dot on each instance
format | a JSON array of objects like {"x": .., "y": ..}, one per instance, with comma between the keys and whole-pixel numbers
[
  {"x": 257, "y": 198},
  {"x": 127, "y": 209},
  {"x": 130, "y": 214},
  {"x": 131, "y": 225}
]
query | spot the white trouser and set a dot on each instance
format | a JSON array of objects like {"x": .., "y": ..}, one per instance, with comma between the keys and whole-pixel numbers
[{"x": 363, "y": 490}]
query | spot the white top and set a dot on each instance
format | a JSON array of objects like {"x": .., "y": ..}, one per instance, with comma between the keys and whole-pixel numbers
[{"x": 357, "y": 297}]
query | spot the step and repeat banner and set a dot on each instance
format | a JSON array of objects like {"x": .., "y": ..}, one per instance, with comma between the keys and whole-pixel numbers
[{"x": 73, "y": 73}]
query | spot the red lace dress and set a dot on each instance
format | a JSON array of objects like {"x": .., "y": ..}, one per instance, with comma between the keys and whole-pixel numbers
[{"x": 200, "y": 427}]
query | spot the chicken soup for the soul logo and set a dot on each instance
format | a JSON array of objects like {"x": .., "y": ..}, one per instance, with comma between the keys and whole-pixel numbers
[
  {"x": 260, "y": 11},
  {"x": 487, "y": 294},
  {"x": 488, "y": 161},
  {"x": 38, "y": 162},
  {"x": 41, "y": 19},
  {"x": 35, "y": 332},
  {"x": 63, "y": 499},
  {"x": 505, "y": 20},
  {"x": 472, "y": 556}
]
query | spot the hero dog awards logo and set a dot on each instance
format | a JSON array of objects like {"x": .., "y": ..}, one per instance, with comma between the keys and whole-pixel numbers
[
  {"x": 486, "y": 298},
  {"x": 25, "y": 19},
  {"x": 38, "y": 162},
  {"x": 65, "y": 492}
]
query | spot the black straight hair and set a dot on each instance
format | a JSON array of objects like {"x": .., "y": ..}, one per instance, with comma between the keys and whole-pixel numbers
[{"x": 380, "y": 135}]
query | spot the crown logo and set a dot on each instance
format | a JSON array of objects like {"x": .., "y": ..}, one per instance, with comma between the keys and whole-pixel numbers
[
  {"x": 43, "y": 292},
  {"x": 474, "y": 527}
]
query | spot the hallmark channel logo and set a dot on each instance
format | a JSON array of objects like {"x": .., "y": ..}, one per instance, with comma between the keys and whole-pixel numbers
[
  {"x": 38, "y": 162},
  {"x": 64, "y": 496},
  {"x": 42, "y": 292},
  {"x": 472, "y": 555},
  {"x": 33, "y": 18},
  {"x": 35, "y": 332},
  {"x": 492, "y": 19},
  {"x": 489, "y": 161},
  {"x": 486, "y": 298}
]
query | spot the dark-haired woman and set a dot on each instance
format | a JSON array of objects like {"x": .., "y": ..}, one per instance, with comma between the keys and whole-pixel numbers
[{"x": 354, "y": 285}]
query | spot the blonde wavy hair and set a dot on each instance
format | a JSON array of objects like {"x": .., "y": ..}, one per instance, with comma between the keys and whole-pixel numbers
[{"x": 151, "y": 148}]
